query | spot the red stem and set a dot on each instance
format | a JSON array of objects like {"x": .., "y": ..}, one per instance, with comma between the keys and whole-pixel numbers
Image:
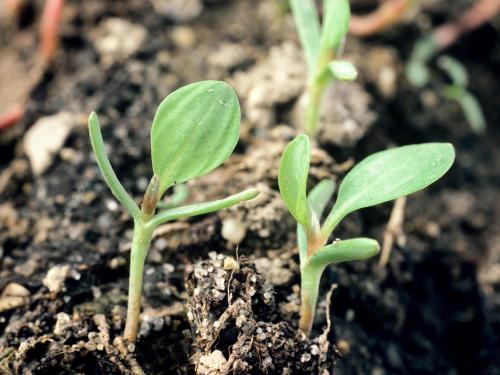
[
  {"x": 386, "y": 15},
  {"x": 479, "y": 13},
  {"x": 11, "y": 118},
  {"x": 49, "y": 28}
]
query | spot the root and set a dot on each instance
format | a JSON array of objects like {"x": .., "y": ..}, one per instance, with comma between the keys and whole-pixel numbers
[{"x": 393, "y": 231}]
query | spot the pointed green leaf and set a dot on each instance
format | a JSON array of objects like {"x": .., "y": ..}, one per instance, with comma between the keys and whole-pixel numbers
[
  {"x": 344, "y": 251},
  {"x": 416, "y": 69},
  {"x": 336, "y": 15},
  {"x": 320, "y": 195},
  {"x": 318, "y": 198},
  {"x": 201, "y": 208},
  {"x": 194, "y": 130},
  {"x": 470, "y": 106},
  {"x": 107, "y": 170},
  {"x": 473, "y": 112},
  {"x": 417, "y": 73},
  {"x": 387, "y": 175},
  {"x": 292, "y": 179},
  {"x": 301, "y": 243},
  {"x": 307, "y": 24},
  {"x": 455, "y": 70}
]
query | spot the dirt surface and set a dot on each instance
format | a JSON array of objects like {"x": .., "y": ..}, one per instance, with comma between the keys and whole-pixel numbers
[{"x": 64, "y": 241}]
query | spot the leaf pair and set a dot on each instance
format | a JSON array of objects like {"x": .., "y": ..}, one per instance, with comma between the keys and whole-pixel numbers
[
  {"x": 195, "y": 129},
  {"x": 379, "y": 178},
  {"x": 315, "y": 38},
  {"x": 459, "y": 92}
]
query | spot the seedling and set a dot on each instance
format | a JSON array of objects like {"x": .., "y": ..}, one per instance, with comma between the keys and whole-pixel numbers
[
  {"x": 418, "y": 74},
  {"x": 194, "y": 130},
  {"x": 321, "y": 46},
  {"x": 379, "y": 178},
  {"x": 459, "y": 92}
]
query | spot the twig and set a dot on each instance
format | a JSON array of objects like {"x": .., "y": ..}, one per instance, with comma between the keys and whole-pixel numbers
[
  {"x": 386, "y": 15},
  {"x": 49, "y": 28},
  {"x": 11, "y": 118},
  {"x": 479, "y": 13},
  {"x": 394, "y": 229}
]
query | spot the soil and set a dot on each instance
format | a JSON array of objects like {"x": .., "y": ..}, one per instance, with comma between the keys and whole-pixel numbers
[{"x": 218, "y": 303}]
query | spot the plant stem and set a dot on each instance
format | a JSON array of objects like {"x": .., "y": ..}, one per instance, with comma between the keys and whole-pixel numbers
[
  {"x": 314, "y": 95},
  {"x": 309, "y": 288},
  {"x": 140, "y": 245}
]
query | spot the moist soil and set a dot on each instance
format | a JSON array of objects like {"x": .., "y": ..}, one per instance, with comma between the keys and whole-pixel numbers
[{"x": 221, "y": 291}]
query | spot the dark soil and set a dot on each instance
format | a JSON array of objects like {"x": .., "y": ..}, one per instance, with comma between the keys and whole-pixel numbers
[{"x": 434, "y": 309}]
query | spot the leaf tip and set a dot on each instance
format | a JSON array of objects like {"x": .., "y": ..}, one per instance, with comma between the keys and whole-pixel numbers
[
  {"x": 93, "y": 117},
  {"x": 253, "y": 193},
  {"x": 373, "y": 247}
]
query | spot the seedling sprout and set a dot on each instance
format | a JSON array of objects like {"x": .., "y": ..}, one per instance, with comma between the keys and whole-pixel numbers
[
  {"x": 195, "y": 129},
  {"x": 379, "y": 178},
  {"x": 321, "y": 46}
]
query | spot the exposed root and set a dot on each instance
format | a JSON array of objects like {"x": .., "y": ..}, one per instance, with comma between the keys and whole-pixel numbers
[{"x": 393, "y": 230}]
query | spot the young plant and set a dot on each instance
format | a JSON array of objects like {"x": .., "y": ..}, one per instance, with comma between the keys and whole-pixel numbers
[
  {"x": 459, "y": 92},
  {"x": 321, "y": 46},
  {"x": 194, "y": 130},
  {"x": 418, "y": 74},
  {"x": 379, "y": 178}
]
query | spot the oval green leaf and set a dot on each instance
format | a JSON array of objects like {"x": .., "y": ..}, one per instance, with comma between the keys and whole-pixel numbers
[
  {"x": 343, "y": 70},
  {"x": 307, "y": 24},
  {"x": 292, "y": 179},
  {"x": 344, "y": 251},
  {"x": 194, "y": 130},
  {"x": 318, "y": 198},
  {"x": 320, "y": 195},
  {"x": 336, "y": 15},
  {"x": 388, "y": 175}
]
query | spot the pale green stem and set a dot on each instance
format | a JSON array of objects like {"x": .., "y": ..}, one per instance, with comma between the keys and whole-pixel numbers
[
  {"x": 314, "y": 96},
  {"x": 201, "y": 208},
  {"x": 140, "y": 245},
  {"x": 107, "y": 170},
  {"x": 309, "y": 278},
  {"x": 309, "y": 289},
  {"x": 331, "y": 222}
]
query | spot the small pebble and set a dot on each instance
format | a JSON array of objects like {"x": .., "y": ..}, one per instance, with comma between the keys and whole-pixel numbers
[
  {"x": 54, "y": 280},
  {"x": 230, "y": 264},
  {"x": 344, "y": 347},
  {"x": 233, "y": 230},
  {"x": 183, "y": 36},
  {"x": 306, "y": 357}
]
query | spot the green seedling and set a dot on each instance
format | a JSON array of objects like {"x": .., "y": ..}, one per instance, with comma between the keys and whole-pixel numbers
[
  {"x": 458, "y": 92},
  {"x": 418, "y": 74},
  {"x": 379, "y": 178},
  {"x": 322, "y": 44},
  {"x": 195, "y": 129},
  {"x": 416, "y": 69}
]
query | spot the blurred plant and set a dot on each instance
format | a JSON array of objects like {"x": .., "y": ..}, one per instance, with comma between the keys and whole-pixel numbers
[
  {"x": 427, "y": 47},
  {"x": 418, "y": 75},
  {"x": 194, "y": 130},
  {"x": 458, "y": 92},
  {"x": 379, "y": 178},
  {"x": 321, "y": 46}
]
